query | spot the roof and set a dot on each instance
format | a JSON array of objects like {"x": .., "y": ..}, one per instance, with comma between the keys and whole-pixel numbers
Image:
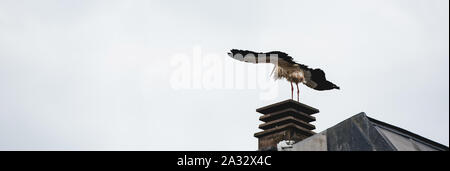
[{"x": 362, "y": 133}]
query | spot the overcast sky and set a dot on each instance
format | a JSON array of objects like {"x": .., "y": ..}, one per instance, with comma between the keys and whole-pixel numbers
[{"x": 96, "y": 75}]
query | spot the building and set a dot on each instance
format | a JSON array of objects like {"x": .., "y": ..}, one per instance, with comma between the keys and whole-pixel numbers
[{"x": 287, "y": 127}]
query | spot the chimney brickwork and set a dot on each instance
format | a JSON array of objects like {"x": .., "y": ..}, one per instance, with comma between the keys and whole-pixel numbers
[{"x": 286, "y": 120}]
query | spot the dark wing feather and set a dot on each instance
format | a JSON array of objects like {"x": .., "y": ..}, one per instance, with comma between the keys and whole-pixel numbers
[
  {"x": 321, "y": 83},
  {"x": 281, "y": 56}
]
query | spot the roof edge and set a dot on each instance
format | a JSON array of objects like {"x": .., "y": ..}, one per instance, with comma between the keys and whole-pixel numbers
[{"x": 408, "y": 133}]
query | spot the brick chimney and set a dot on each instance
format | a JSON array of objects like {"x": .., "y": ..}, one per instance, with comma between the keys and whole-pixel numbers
[{"x": 286, "y": 120}]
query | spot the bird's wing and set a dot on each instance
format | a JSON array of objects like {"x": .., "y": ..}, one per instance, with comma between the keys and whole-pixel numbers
[
  {"x": 275, "y": 57},
  {"x": 315, "y": 79}
]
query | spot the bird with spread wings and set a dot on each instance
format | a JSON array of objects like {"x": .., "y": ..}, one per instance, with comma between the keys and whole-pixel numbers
[{"x": 285, "y": 67}]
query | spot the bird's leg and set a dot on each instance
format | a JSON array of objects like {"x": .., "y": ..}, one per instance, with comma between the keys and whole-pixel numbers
[
  {"x": 292, "y": 91},
  {"x": 298, "y": 93}
]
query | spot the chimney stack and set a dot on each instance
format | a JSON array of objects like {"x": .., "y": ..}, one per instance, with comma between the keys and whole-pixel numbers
[{"x": 286, "y": 120}]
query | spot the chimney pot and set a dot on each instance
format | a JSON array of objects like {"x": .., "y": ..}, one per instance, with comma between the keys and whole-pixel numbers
[{"x": 287, "y": 120}]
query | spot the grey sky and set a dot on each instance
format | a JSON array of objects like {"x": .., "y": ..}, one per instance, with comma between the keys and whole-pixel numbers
[{"x": 94, "y": 75}]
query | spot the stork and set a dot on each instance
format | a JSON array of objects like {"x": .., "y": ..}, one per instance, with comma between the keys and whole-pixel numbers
[{"x": 285, "y": 67}]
